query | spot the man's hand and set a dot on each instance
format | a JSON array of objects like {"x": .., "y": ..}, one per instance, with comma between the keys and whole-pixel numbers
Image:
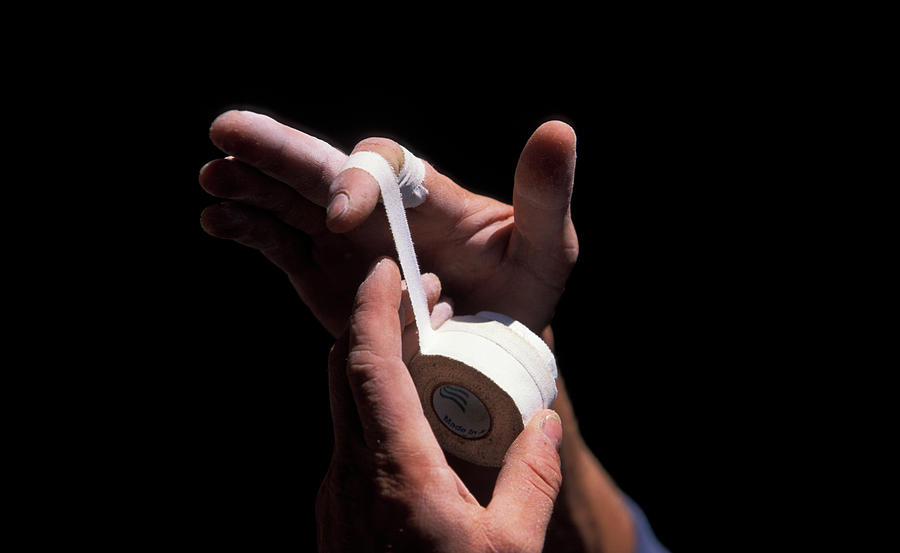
[
  {"x": 388, "y": 486},
  {"x": 325, "y": 229}
]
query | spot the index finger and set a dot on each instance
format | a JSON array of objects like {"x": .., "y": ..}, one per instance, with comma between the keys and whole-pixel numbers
[
  {"x": 304, "y": 162},
  {"x": 386, "y": 399},
  {"x": 356, "y": 189}
]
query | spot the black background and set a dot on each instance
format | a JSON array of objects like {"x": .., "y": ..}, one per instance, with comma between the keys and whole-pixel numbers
[{"x": 657, "y": 314}]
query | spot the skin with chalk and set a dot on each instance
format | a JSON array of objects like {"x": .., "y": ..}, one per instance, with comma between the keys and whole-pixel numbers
[{"x": 281, "y": 197}]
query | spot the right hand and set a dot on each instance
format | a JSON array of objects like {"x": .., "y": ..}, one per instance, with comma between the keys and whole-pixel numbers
[{"x": 389, "y": 486}]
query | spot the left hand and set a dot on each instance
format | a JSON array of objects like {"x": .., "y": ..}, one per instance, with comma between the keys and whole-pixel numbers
[
  {"x": 513, "y": 259},
  {"x": 389, "y": 485}
]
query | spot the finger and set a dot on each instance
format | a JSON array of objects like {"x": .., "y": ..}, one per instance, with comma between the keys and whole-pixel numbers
[
  {"x": 304, "y": 162},
  {"x": 354, "y": 192},
  {"x": 442, "y": 312},
  {"x": 344, "y": 419},
  {"x": 231, "y": 179},
  {"x": 281, "y": 244},
  {"x": 543, "y": 241},
  {"x": 432, "y": 286},
  {"x": 530, "y": 478},
  {"x": 545, "y": 177},
  {"x": 385, "y": 396}
]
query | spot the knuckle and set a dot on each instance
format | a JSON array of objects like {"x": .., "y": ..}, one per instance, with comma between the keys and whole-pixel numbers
[
  {"x": 363, "y": 363},
  {"x": 389, "y": 483},
  {"x": 261, "y": 236},
  {"x": 544, "y": 474},
  {"x": 376, "y": 143},
  {"x": 569, "y": 254},
  {"x": 369, "y": 370},
  {"x": 500, "y": 537},
  {"x": 387, "y": 148}
]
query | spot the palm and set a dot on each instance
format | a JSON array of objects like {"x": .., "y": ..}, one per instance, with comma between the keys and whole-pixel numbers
[{"x": 482, "y": 250}]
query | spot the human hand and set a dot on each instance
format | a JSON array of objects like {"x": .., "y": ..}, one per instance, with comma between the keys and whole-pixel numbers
[
  {"x": 489, "y": 255},
  {"x": 389, "y": 485}
]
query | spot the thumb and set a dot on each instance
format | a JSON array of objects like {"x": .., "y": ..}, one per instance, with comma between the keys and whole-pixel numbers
[
  {"x": 543, "y": 238},
  {"x": 530, "y": 479},
  {"x": 545, "y": 177}
]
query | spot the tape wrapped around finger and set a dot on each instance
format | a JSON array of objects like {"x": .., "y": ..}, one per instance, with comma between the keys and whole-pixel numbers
[
  {"x": 480, "y": 377},
  {"x": 409, "y": 180}
]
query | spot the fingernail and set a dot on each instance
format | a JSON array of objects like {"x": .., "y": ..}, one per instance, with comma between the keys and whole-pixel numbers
[
  {"x": 338, "y": 205},
  {"x": 552, "y": 427},
  {"x": 442, "y": 312},
  {"x": 373, "y": 269}
]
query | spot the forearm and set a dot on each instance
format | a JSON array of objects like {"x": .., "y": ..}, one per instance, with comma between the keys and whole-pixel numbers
[{"x": 591, "y": 514}]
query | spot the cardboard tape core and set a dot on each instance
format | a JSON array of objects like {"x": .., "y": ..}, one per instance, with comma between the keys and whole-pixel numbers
[
  {"x": 501, "y": 368},
  {"x": 480, "y": 377}
]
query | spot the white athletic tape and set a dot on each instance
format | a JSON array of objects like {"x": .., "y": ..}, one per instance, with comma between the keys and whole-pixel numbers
[
  {"x": 480, "y": 377},
  {"x": 410, "y": 178}
]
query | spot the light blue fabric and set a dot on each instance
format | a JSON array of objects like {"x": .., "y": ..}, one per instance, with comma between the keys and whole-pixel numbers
[{"x": 646, "y": 539}]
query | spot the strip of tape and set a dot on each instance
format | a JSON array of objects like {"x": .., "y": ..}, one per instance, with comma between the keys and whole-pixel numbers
[
  {"x": 409, "y": 180},
  {"x": 480, "y": 377},
  {"x": 392, "y": 197}
]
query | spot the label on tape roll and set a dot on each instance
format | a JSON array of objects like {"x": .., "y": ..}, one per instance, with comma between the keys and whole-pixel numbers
[{"x": 461, "y": 411}]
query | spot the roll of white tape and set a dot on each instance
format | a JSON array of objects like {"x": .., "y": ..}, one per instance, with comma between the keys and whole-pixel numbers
[{"x": 480, "y": 377}]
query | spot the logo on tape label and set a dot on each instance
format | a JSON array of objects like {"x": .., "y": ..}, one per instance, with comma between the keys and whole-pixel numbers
[{"x": 461, "y": 411}]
